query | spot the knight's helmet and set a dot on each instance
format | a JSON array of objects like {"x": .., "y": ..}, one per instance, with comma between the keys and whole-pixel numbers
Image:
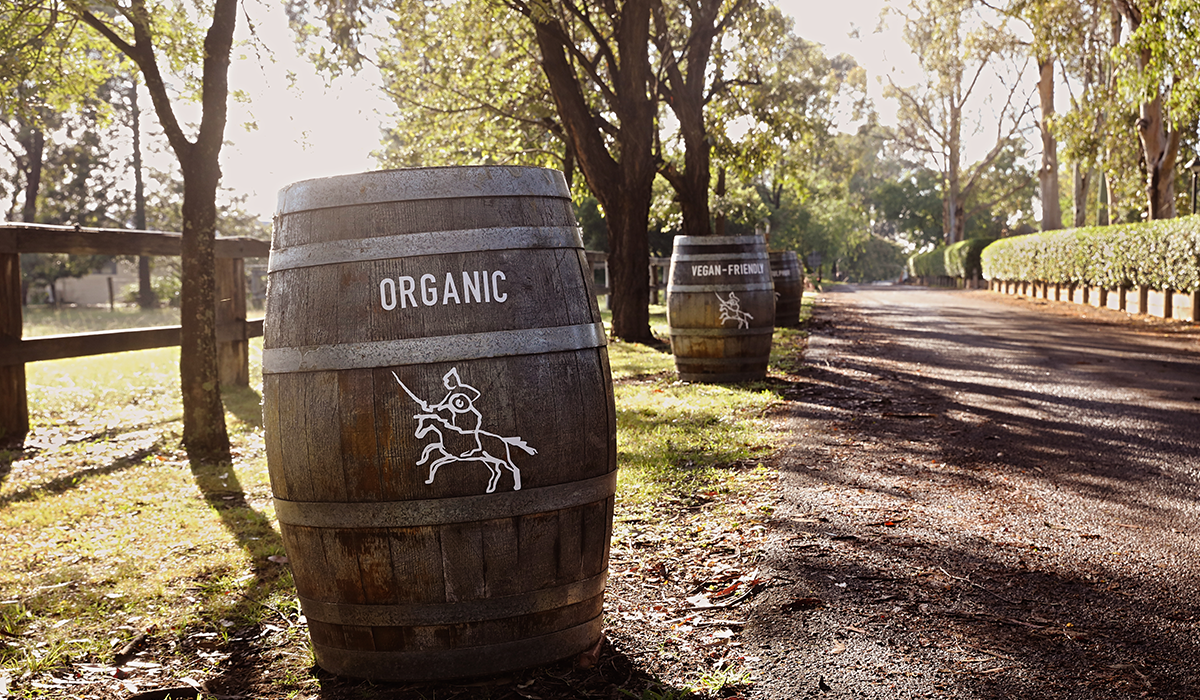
[{"x": 461, "y": 398}]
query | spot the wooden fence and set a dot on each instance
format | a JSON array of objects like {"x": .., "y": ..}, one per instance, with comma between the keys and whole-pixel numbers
[
  {"x": 233, "y": 329},
  {"x": 658, "y": 274}
]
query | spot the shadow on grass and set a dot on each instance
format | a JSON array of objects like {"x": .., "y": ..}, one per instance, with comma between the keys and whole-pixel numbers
[
  {"x": 244, "y": 403},
  {"x": 70, "y": 481}
]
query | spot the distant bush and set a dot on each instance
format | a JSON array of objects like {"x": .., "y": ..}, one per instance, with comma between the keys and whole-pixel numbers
[
  {"x": 959, "y": 260},
  {"x": 1163, "y": 254},
  {"x": 929, "y": 264}
]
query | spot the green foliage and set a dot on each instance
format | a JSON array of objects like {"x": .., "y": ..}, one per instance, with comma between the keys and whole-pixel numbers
[
  {"x": 928, "y": 264},
  {"x": 962, "y": 258},
  {"x": 959, "y": 260},
  {"x": 466, "y": 88},
  {"x": 873, "y": 258},
  {"x": 910, "y": 207},
  {"x": 1161, "y": 254}
]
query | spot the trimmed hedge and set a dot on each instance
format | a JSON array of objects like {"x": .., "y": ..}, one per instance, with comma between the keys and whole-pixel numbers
[
  {"x": 959, "y": 260},
  {"x": 1162, "y": 254}
]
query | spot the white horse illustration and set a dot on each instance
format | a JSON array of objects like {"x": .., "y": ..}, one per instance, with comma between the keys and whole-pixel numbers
[
  {"x": 460, "y": 437},
  {"x": 731, "y": 310}
]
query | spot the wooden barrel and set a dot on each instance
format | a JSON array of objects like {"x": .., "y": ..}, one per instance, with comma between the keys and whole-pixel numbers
[
  {"x": 720, "y": 308},
  {"x": 439, "y": 420},
  {"x": 789, "y": 287}
]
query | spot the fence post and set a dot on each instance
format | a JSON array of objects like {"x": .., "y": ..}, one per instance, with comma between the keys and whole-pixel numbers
[
  {"x": 233, "y": 347},
  {"x": 14, "y": 403}
]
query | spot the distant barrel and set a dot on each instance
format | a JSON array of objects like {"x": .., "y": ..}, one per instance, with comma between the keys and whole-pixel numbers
[
  {"x": 720, "y": 308},
  {"x": 789, "y": 287},
  {"x": 439, "y": 420}
]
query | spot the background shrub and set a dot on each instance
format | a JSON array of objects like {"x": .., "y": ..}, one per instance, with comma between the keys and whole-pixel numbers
[{"x": 1163, "y": 254}]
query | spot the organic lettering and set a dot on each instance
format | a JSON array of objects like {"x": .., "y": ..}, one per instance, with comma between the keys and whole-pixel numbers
[{"x": 478, "y": 286}]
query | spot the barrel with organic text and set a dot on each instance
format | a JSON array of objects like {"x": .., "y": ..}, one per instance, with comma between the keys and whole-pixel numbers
[
  {"x": 439, "y": 420},
  {"x": 720, "y": 308},
  {"x": 789, "y": 287}
]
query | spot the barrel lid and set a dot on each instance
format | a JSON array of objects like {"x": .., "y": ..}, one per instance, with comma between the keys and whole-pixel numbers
[
  {"x": 452, "y": 182},
  {"x": 719, "y": 240}
]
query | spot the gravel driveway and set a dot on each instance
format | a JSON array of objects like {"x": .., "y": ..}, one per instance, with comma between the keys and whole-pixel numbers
[{"x": 984, "y": 497}]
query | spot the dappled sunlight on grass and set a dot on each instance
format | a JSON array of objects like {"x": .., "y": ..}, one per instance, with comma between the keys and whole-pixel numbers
[
  {"x": 47, "y": 320},
  {"x": 676, "y": 438}
]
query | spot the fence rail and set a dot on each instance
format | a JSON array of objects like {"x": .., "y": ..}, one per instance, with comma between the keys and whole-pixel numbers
[
  {"x": 658, "y": 274},
  {"x": 233, "y": 330}
]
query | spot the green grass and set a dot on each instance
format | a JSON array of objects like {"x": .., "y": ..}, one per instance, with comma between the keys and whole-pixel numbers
[
  {"x": 47, "y": 320},
  {"x": 106, "y": 530}
]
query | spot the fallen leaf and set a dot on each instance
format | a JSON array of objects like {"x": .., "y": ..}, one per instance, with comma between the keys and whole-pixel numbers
[{"x": 277, "y": 559}]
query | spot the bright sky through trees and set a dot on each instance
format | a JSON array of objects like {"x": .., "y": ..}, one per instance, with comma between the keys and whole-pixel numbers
[{"x": 310, "y": 130}]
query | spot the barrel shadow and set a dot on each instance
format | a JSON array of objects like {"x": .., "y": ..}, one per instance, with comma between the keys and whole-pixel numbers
[{"x": 615, "y": 674}]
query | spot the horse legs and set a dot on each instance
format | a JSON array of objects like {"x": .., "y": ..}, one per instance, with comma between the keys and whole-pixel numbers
[
  {"x": 428, "y": 449},
  {"x": 494, "y": 468},
  {"x": 434, "y": 467}
]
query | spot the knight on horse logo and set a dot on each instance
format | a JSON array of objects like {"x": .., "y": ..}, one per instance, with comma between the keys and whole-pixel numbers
[
  {"x": 460, "y": 437},
  {"x": 731, "y": 310}
]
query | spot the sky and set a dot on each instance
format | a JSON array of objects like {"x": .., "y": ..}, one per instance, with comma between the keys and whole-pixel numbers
[{"x": 310, "y": 130}]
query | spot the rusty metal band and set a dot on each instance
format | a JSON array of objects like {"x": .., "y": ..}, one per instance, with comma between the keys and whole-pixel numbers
[
  {"x": 684, "y": 364},
  {"x": 424, "y": 243},
  {"x": 384, "y": 186},
  {"x": 759, "y": 256},
  {"x": 731, "y": 287},
  {"x": 754, "y": 241},
  {"x": 457, "y": 612},
  {"x": 442, "y": 664},
  {"x": 444, "y": 511},
  {"x": 446, "y": 348}
]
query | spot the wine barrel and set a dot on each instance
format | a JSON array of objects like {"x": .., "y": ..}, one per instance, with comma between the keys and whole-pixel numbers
[
  {"x": 440, "y": 427},
  {"x": 720, "y": 308},
  {"x": 789, "y": 287}
]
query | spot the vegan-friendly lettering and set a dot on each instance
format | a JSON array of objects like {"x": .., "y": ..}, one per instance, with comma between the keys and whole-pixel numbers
[{"x": 730, "y": 269}]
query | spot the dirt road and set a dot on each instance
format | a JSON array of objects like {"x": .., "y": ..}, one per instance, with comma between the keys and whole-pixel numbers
[{"x": 985, "y": 497}]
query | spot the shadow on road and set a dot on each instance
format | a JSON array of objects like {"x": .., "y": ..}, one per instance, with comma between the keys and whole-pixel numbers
[{"x": 994, "y": 502}]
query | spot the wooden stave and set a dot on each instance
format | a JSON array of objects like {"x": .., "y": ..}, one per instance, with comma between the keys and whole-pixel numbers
[{"x": 789, "y": 286}]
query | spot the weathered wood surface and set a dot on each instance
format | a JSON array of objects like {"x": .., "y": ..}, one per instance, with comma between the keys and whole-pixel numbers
[
  {"x": 58, "y": 347},
  {"x": 720, "y": 308},
  {"x": 14, "y": 412},
  {"x": 47, "y": 238},
  {"x": 482, "y": 307},
  {"x": 789, "y": 287},
  {"x": 17, "y": 238}
]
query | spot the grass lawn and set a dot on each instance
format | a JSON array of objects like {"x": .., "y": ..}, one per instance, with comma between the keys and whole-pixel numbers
[{"x": 109, "y": 536}]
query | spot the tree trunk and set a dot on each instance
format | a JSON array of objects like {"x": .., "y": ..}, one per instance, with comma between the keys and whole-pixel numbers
[
  {"x": 146, "y": 298},
  {"x": 34, "y": 146},
  {"x": 1160, "y": 142},
  {"x": 1160, "y": 145},
  {"x": 624, "y": 187},
  {"x": 685, "y": 95},
  {"x": 1082, "y": 184},
  {"x": 204, "y": 433},
  {"x": 1048, "y": 175}
]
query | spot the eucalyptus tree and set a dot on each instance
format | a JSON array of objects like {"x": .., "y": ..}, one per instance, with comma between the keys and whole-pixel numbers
[
  {"x": 960, "y": 45},
  {"x": 462, "y": 79},
  {"x": 1158, "y": 70},
  {"x": 686, "y": 37},
  {"x": 180, "y": 60},
  {"x": 594, "y": 59}
]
